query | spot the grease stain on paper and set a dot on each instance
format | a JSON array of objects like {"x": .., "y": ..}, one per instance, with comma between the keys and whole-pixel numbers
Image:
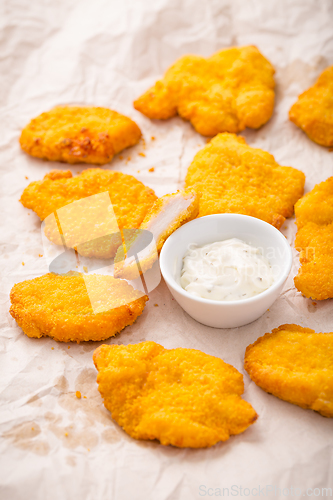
[
  {"x": 299, "y": 72},
  {"x": 312, "y": 306},
  {"x": 71, "y": 460},
  {"x": 72, "y": 437},
  {"x": 24, "y": 436},
  {"x": 77, "y": 427},
  {"x": 34, "y": 401},
  {"x": 83, "y": 413}
]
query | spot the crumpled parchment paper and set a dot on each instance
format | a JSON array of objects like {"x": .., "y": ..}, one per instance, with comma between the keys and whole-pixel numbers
[{"x": 106, "y": 52}]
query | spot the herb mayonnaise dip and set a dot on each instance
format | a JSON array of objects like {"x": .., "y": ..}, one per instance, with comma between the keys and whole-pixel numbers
[{"x": 225, "y": 270}]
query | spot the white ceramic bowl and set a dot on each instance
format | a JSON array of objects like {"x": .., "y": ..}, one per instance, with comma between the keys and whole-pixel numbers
[{"x": 209, "y": 229}]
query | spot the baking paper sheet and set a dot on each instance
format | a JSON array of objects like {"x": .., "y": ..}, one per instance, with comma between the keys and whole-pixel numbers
[{"x": 106, "y": 52}]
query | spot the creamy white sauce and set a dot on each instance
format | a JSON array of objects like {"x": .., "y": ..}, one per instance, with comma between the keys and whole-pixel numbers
[{"x": 225, "y": 270}]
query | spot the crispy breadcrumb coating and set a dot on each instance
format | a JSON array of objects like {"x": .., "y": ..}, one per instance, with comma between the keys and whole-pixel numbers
[
  {"x": 131, "y": 200},
  {"x": 181, "y": 397},
  {"x": 313, "y": 111},
  {"x": 314, "y": 241},
  {"x": 294, "y": 364},
  {"x": 226, "y": 92},
  {"x": 232, "y": 177},
  {"x": 74, "y": 134},
  {"x": 66, "y": 307},
  {"x": 166, "y": 215}
]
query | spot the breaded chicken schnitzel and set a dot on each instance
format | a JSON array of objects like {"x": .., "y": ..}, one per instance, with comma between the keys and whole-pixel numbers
[
  {"x": 75, "y": 307},
  {"x": 226, "y": 92},
  {"x": 181, "y": 397},
  {"x": 294, "y": 364},
  {"x": 166, "y": 215},
  {"x": 314, "y": 241},
  {"x": 313, "y": 111},
  {"x": 75, "y": 134},
  {"x": 91, "y": 224},
  {"x": 232, "y": 177}
]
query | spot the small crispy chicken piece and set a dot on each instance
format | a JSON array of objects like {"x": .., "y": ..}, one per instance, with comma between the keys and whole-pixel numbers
[
  {"x": 74, "y": 134},
  {"x": 92, "y": 226},
  {"x": 226, "y": 92},
  {"x": 232, "y": 177},
  {"x": 166, "y": 215},
  {"x": 181, "y": 397},
  {"x": 74, "y": 307},
  {"x": 313, "y": 111},
  {"x": 314, "y": 241},
  {"x": 294, "y": 364}
]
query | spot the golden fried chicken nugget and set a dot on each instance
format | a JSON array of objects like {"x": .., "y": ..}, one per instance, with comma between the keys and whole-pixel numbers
[
  {"x": 74, "y": 307},
  {"x": 226, "y": 92},
  {"x": 314, "y": 241},
  {"x": 294, "y": 364},
  {"x": 166, "y": 215},
  {"x": 75, "y": 134},
  {"x": 232, "y": 177},
  {"x": 313, "y": 112},
  {"x": 91, "y": 225},
  {"x": 181, "y": 397}
]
